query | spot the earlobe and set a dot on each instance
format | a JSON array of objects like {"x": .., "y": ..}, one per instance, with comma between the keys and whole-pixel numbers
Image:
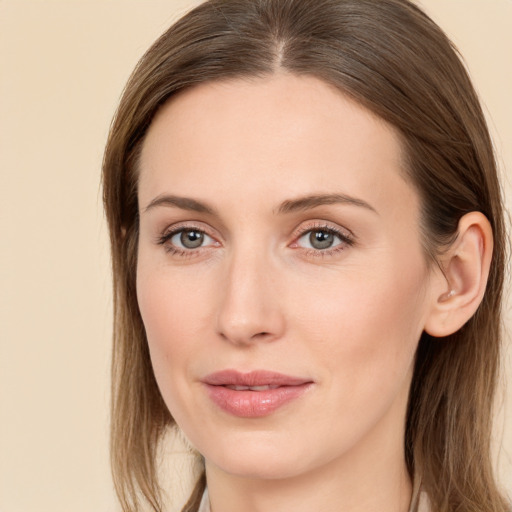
[{"x": 458, "y": 291}]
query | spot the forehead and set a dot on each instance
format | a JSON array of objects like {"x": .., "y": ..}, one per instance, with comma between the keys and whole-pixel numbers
[{"x": 283, "y": 135}]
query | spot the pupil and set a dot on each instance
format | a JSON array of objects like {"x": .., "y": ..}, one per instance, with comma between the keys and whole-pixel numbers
[
  {"x": 191, "y": 239},
  {"x": 321, "y": 239}
]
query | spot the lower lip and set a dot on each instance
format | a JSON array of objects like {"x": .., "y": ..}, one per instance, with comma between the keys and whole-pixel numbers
[{"x": 254, "y": 404}]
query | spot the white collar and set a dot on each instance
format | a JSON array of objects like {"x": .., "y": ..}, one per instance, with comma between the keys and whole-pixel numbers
[
  {"x": 204, "y": 506},
  {"x": 420, "y": 503}
]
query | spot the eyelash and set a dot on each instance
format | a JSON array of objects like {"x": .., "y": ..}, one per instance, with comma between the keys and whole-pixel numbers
[
  {"x": 177, "y": 251},
  {"x": 346, "y": 240}
]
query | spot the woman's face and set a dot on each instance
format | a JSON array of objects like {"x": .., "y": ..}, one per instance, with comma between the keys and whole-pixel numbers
[{"x": 280, "y": 277}]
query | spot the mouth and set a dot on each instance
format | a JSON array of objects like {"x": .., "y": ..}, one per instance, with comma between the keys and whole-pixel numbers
[
  {"x": 254, "y": 394},
  {"x": 251, "y": 388}
]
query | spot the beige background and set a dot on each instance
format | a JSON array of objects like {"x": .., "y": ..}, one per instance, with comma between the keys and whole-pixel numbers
[{"x": 62, "y": 67}]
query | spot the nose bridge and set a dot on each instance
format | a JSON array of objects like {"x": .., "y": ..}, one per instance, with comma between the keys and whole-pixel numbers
[{"x": 249, "y": 309}]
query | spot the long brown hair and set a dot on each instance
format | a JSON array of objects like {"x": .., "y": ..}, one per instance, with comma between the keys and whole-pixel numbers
[{"x": 391, "y": 58}]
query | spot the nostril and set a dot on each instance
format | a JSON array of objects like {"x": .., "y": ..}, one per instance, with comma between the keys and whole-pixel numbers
[{"x": 261, "y": 335}]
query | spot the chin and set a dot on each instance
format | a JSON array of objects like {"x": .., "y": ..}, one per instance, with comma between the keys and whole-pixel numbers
[
  {"x": 253, "y": 465},
  {"x": 257, "y": 455}
]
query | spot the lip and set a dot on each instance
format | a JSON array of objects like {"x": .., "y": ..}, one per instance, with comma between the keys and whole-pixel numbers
[{"x": 279, "y": 389}]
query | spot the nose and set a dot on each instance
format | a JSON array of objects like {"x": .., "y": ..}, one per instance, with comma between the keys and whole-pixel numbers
[{"x": 250, "y": 308}]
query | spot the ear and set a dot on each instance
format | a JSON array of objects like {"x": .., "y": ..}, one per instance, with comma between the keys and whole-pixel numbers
[{"x": 459, "y": 289}]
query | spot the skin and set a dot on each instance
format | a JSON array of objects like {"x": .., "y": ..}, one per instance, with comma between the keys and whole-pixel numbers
[{"x": 257, "y": 295}]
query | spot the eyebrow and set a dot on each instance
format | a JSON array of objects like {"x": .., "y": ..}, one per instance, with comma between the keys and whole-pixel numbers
[
  {"x": 289, "y": 206},
  {"x": 184, "y": 203},
  {"x": 309, "y": 202}
]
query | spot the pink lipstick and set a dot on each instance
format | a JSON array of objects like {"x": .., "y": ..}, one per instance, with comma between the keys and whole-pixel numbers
[{"x": 253, "y": 394}]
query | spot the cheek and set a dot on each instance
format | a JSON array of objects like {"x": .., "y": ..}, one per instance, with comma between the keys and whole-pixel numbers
[
  {"x": 368, "y": 324},
  {"x": 170, "y": 315},
  {"x": 171, "y": 303},
  {"x": 362, "y": 333}
]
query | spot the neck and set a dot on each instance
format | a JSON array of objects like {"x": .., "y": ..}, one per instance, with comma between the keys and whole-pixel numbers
[
  {"x": 372, "y": 477},
  {"x": 304, "y": 495}
]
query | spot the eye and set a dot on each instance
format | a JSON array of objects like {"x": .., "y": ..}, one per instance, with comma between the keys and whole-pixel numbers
[
  {"x": 320, "y": 239},
  {"x": 323, "y": 239},
  {"x": 183, "y": 241},
  {"x": 190, "y": 239}
]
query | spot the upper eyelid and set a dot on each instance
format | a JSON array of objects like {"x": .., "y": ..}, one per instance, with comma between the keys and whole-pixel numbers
[
  {"x": 188, "y": 226},
  {"x": 326, "y": 225}
]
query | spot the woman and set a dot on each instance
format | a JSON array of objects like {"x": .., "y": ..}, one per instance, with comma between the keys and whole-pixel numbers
[{"x": 308, "y": 256}]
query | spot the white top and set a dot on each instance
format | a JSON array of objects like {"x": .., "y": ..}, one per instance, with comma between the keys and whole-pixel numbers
[{"x": 419, "y": 503}]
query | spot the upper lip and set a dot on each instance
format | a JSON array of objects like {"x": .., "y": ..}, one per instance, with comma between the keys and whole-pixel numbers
[{"x": 253, "y": 378}]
